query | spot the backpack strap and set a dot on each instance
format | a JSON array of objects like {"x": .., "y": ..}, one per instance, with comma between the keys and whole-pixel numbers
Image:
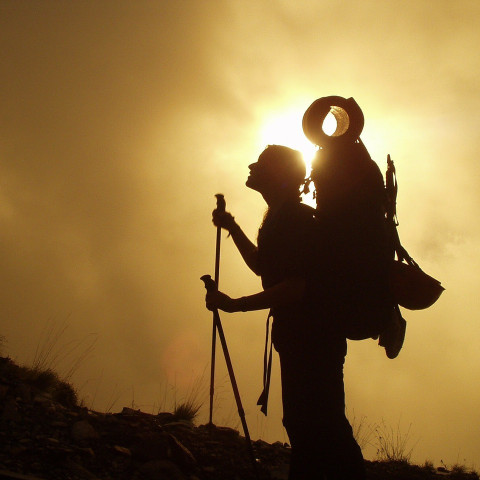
[{"x": 267, "y": 368}]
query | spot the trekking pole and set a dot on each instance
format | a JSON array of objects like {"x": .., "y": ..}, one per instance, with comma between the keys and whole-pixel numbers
[
  {"x": 210, "y": 286},
  {"x": 220, "y": 207}
]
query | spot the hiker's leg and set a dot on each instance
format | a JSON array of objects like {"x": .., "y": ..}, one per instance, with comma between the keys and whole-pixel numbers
[
  {"x": 312, "y": 393},
  {"x": 343, "y": 459},
  {"x": 327, "y": 453},
  {"x": 314, "y": 416},
  {"x": 341, "y": 455},
  {"x": 304, "y": 461}
]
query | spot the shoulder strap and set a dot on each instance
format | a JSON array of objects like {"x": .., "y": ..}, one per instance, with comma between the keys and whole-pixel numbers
[{"x": 267, "y": 369}]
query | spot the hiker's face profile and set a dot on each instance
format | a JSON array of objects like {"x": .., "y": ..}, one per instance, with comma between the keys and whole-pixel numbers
[
  {"x": 275, "y": 173},
  {"x": 262, "y": 172}
]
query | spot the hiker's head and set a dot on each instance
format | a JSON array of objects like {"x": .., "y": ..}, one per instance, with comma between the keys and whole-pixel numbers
[
  {"x": 278, "y": 171},
  {"x": 346, "y": 177}
]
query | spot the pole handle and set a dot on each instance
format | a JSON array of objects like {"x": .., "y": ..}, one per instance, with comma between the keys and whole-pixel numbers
[
  {"x": 221, "y": 204},
  {"x": 209, "y": 283}
]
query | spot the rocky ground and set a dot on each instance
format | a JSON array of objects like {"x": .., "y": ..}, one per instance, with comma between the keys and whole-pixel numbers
[{"x": 45, "y": 435}]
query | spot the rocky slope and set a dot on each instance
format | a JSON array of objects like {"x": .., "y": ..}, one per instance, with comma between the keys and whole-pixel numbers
[{"x": 45, "y": 435}]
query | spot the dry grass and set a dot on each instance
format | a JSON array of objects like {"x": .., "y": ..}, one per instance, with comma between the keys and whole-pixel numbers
[
  {"x": 188, "y": 408},
  {"x": 42, "y": 381},
  {"x": 52, "y": 352},
  {"x": 428, "y": 465},
  {"x": 362, "y": 432},
  {"x": 393, "y": 444}
]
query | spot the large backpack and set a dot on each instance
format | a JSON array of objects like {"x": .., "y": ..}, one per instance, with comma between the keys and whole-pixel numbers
[{"x": 365, "y": 273}]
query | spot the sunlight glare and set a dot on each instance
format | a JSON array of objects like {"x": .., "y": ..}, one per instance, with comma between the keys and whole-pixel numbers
[
  {"x": 329, "y": 124},
  {"x": 286, "y": 129}
]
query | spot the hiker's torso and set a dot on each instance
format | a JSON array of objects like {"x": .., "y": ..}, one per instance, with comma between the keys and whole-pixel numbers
[
  {"x": 285, "y": 246},
  {"x": 342, "y": 258},
  {"x": 284, "y": 243}
]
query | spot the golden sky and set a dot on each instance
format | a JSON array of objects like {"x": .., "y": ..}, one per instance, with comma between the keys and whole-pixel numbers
[{"x": 120, "y": 120}]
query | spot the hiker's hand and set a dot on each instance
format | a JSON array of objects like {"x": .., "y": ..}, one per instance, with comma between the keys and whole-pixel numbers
[
  {"x": 223, "y": 219},
  {"x": 220, "y": 300}
]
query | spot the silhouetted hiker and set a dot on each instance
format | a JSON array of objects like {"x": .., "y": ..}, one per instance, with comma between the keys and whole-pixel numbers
[{"x": 311, "y": 350}]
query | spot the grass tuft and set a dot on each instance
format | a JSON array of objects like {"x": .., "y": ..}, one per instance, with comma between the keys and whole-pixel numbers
[
  {"x": 361, "y": 431},
  {"x": 49, "y": 382},
  {"x": 189, "y": 407},
  {"x": 428, "y": 465},
  {"x": 187, "y": 410},
  {"x": 458, "y": 469},
  {"x": 52, "y": 351},
  {"x": 392, "y": 444}
]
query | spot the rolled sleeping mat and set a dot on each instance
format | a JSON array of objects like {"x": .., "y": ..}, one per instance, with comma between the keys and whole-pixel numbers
[{"x": 347, "y": 113}]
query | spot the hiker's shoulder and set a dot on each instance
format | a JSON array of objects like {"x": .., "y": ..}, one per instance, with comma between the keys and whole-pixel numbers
[
  {"x": 298, "y": 216},
  {"x": 299, "y": 209}
]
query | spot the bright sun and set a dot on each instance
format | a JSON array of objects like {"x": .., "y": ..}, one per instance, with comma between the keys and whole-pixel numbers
[{"x": 286, "y": 129}]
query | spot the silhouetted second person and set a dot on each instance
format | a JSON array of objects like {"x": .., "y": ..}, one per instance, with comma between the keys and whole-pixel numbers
[{"x": 311, "y": 350}]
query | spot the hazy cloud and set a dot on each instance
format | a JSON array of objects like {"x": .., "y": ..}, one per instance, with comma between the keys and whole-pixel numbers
[{"x": 120, "y": 120}]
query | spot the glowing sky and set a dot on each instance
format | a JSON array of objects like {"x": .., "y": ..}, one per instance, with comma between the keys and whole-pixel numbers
[{"x": 120, "y": 120}]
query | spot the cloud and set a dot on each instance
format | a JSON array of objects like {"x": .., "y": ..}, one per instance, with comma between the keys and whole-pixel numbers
[{"x": 120, "y": 121}]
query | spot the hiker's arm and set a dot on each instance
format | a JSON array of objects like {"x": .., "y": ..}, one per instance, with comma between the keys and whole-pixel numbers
[
  {"x": 284, "y": 293},
  {"x": 247, "y": 249}
]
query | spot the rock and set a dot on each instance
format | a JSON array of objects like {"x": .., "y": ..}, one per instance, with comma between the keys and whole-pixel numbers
[
  {"x": 208, "y": 469},
  {"x": 44, "y": 395},
  {"x": 59, "y": 423},
  {"x": 181, "y": 454},
  {"x": 161, "y": 470},
  {"x": 80, "y": 471},
  {"x": 280, "y": 472},
  {"x": 16, "y": 476},
  {"x": 82, "y": 431},
  {"x": 43, "y": 399},
  {"x": 40, "y": 439},
  {"x": 165, "y": 417},
  {"x": 3, "y": 391},
  {"x": 151, "y": 446},
  {"x": 17, "y": 450},
  {"x": 228, "y": 432},
  {"x": 179, "y": 424},
  {"x": 25, "y": 392},
  {"x": 86, "y": 451},
  {"x": 123, "y": 450},
  {"x": 130, "y": 411},
  {"x": 10, "y": 410}
]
